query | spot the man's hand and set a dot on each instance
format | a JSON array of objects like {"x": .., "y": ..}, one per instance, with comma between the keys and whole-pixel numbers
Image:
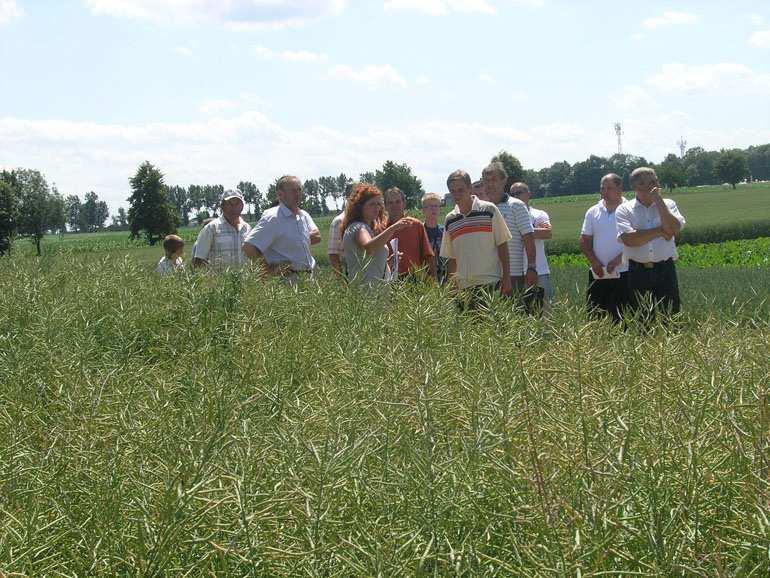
[
  {"x": 315, "y": 237},
  {"x": 612, "y": 265},
  {"x": 598, "y": 269},
  {"x": 667, "y": 233},
  {"x": 505, "y": 286},
  {"x": 530, "y": 278}
]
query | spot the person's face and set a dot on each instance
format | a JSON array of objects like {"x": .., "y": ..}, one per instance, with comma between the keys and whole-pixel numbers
[
  {"x": 460, "y": 190},
  {"x": 642, "y": 189},
  {"x": 291, "y": 194},
  {"x": 232, "y": 208},
  {"x": 394, "y": 204},
  {"x": 372, "y": 209},
  {"x": 494, "y": 184},
  {"x": 611, "y": 193},
  {"x": 431, "y": 209},
  {"x": 522, "y": 194},
  {"x": 480, "y": 191}
]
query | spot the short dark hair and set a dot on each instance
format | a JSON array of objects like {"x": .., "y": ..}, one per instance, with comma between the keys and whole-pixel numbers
[
  {"x": 459, "y": 175},
  {"x": 392, "y": 191},
  {"x": 616, "y": 180},
  {"x": 172, "y": 244},
  {"x": 285, "y": 180}
]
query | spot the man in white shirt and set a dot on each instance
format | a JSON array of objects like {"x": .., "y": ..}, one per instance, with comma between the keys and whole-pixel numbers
[
  {"x": 607, "y": 283},
  {"x": 218, "y": 245},
  {"x": 541, "y": 223},
  {"x": 281, "y": 239},
  {"x": 647, "y": 225}
]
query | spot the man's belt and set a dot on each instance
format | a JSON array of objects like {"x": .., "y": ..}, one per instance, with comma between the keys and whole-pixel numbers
[{"x": 647, "y": 265}]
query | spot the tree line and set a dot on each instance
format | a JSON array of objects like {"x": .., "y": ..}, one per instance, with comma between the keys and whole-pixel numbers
[{"x": 29, "y": 207}]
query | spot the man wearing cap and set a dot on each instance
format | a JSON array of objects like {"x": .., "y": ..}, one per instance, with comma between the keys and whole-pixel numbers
[
  {"x": 647, "y": 225},
  {"x": 219, "y": 242},
  {"x": 607, "y": 284},
  {"x": 281, "y": 240}
]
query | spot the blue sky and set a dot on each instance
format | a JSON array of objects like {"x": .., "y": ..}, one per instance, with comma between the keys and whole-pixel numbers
[{"x": 217, "y": 91}]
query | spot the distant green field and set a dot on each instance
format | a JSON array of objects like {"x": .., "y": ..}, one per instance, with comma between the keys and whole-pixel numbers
[{"x": 713, "y": 214}]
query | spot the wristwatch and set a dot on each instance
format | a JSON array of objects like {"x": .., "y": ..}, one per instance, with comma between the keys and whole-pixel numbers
[{"x": 531, "y": 269}]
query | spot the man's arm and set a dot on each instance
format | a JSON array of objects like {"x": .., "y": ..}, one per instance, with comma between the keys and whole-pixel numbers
[
  {"x": 315, "y": 237},
  {"x": 256, "y": 256},
  {"x": 502, "y": 255},
  {"x": 669, "y": 223},
  {"x": 587, "y": 246},
  {"x": 530, "y": 275},
  {"x": 641, "y": 237}
]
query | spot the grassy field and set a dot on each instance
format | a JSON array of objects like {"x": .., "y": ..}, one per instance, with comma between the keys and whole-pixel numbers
[{"x": 225, "y": 426}]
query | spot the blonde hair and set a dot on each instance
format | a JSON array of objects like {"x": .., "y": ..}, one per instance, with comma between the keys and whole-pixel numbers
[{"x": 430, "y": 197}]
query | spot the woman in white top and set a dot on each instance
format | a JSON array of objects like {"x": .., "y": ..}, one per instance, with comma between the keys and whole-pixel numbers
[{"x": 365, "y": 237}]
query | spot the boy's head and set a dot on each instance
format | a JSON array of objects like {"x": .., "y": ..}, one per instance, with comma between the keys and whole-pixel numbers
[
  {"x": 431, "y": 205},
  {"x": 173, "y": 245}
]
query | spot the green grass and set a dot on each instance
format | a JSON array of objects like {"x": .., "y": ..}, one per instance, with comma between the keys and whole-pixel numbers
[{"x": 226, "y": 426}]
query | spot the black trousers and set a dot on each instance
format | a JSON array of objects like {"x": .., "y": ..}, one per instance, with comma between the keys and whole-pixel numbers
[
  {"x": 607, "y": 296},
  {"x": 652, "y": 289}
]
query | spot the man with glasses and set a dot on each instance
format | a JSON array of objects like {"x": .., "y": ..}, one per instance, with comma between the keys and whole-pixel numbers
[{"x": 281, "y": 240}]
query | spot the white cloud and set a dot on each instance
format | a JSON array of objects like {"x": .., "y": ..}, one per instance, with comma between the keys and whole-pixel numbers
[
  {"x": 372, "y": 76},
  {"x": 728, "y": 78},
  {"x": 632, "y": 99},
  {"x": 486, "y": 78},
  {"x": 439, "y": 7},
  {"x": 422, "y": 80},
  {"x": 183, "y": 51},
  {"x": 670, "y": 18},
  {"x": 234, "y": 13},
  {"x": 217, "y": 106},
  {"x": 9, "y": 10},
  {"x": 755, "y": 19},
  {"x": 289, "y": 55},
  {"x": 760, "y": 39}
]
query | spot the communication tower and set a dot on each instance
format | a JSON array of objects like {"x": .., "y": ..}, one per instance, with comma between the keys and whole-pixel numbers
[
  {"x": 682, "y": 146},
  {"x": 619, "y": 132}
]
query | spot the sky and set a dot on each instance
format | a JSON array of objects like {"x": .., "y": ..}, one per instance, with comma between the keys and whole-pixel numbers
[{"x": 219, "y": 91}]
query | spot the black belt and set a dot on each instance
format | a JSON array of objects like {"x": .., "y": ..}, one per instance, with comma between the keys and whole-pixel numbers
[{"x": 649, "y": 265}]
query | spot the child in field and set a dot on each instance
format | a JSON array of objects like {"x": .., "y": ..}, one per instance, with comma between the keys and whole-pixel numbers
[
  {"x": 431, "y": 207},
  {"x": 172, "y": 260}
]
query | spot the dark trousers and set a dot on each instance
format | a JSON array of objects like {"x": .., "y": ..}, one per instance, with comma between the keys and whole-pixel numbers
[
  {"x": 607, "y": 296},
  {"x": 652, "y": 289}
]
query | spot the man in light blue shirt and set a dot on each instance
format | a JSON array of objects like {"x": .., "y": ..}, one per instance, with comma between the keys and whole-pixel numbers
[{"x": 281, "y": 240}]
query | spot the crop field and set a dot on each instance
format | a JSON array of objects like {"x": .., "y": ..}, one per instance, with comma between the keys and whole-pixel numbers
[{"x": 225, "y": 425}]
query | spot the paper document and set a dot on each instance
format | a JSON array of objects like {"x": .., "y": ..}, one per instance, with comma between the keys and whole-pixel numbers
[
  {"x": 394, "y": 248},
  {"x": 613, "y": 275}
]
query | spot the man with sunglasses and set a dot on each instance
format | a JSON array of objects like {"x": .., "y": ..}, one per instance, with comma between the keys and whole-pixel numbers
[{"x": 647, "y": 225}]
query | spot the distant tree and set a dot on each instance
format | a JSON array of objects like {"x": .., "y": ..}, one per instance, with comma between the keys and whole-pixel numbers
[
  {"x": 512, "y": 167},
  {"x": 102, "y": 214},
  {"x": 623, "y": 165},
  {"x": 532, "y": 178},
  {"x": 731, "y": 166},
  {"x": 35, "y": 213},
  {"x": 212, "y": 196},
  {"x": 671, "y": 172},
  {"x": 57, "y": 211},
  {"x": 271, "y": 199},
  {"x": 587, "y": 175},
  {"x": 251, "y": 196},
  {"x": 149, "y": 210},
  {"x": 343, "y": 182},
  {"x": 312, "y": 194},
  {"x": 557, "y": 181},
  {"x": 8, "y": 216},
  {"x": 400, "y": 175},
  {"x": 122, "y": 218},
  {"x": 195, "y": 194},
  {"x": 180, "y": 199},
  {"x": 758, "y": 158},
  {"x": 72, "y": 210},
  {"x": 699, "y": 166},
  {"x": 92, "y": 211},
  {"x": 368, "y": 177},
  {"x": 327, "y": 188}
]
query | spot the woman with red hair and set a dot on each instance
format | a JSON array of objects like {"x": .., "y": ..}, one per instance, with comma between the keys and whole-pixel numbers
[{"x": 365, "y": 236}]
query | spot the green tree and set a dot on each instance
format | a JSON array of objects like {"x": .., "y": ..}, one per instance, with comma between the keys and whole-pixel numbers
[
  {"x": 36, "y": 213},
  {"x": 122, "y": 218},
  {"x": 512, "y": 167},
  {"x": 57, "y": 211},
  {"x": 180, "y": 199},
  {"x": 400, "y": 175},
  {"x": 731, "y": 166},
  {"x": 8, "y": 216},
  {"x": 671, "y": 172},
  {"x": 343, "y": 183},
  {"x": 557, "y": 179},
  {"x": 72, "y": 209},
  {"x": 586, "y": 176},
  {"x": 532, "y": 178},
  {"x": 327, "y": 187},
  {"x": 623, "y": 165},
  {"x": 149, "y": 209},
  {"x": 758, "y": 158},
  {"x": 251, "y": 196},
  {"x": 368, "y": 177},
  {"x": 699, "y": 166},
  {"x": 88, "y": 212}
]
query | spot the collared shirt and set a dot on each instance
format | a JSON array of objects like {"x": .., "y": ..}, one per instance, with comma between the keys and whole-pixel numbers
[
  {"x": 633, "y": 216},
  {"x": 219, "y": 243},
  {"x": 519, "y": 222},
  {"x": 599, "y": 223},
  {"x": 539, "y": 219},
  {"x": 472, "y": 239},
  {"x": 334, "y": 245},
  {"x": 417, "y": 251},
  {"x": 283, "y": 237},
  {"x": 168, "y": 267}
]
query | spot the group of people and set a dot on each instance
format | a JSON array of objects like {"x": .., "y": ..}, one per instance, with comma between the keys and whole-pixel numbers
[{"x": 491, "y": 241}]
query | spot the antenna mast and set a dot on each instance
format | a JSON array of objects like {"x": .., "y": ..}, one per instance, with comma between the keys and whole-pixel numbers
[
  {"x": 682, "y": 144},
  {"x": 619, "y": 133}
]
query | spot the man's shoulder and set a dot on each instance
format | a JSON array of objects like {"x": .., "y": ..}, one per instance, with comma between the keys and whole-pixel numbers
[
  {"x": 485, "y": 207},
  {"x": 626, "y": 207},
  {"x": 539, "y": 213},
  {"x": 594, "y": 210},
  {"x": 269, "y": 214},
  {"x": 338, "y": 219}
]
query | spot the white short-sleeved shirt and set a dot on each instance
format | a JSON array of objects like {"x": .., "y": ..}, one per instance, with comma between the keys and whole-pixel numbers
[
  {"x": 519, "y": 222},
  {"x": 472, "y": 240},
  {"x": 633, "y": 216},
  {"x": 599, "y": 223},
  {"x": 219, "y": 243},
  {"x": 334, "y": 244},
  {"x": 168, "y": 267},
  {"x": 539, "y": 219},
  {"x": 283, "y": 237}
]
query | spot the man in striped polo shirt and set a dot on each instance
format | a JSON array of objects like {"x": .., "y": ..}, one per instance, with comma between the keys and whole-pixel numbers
[
  {"x": 519, "y": 222},
  {"x": 475, "y": 243}
]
